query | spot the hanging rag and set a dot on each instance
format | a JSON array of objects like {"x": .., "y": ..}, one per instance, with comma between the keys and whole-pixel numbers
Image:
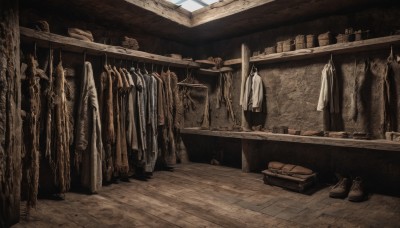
[
  {"x": 389, "y": 112},
  {"x": 131, "y": 134},
  {"x": 123, "y": 112},
  {"x": 328, "y": 101},
  {"x": 107, "y": 118},
  {"x": 253, "y": 94},
  {"x": 88, "y": 143},
  {"x": 224, "y": 92},
  {"x": 31, "y": 160},
  {"x": 62, "y": 137},
  {"x": 357, "y": 108}
]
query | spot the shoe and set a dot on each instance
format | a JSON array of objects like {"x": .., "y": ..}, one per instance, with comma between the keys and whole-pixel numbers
[
  {"x": 356, "y": 193},
  {"x": 341, "y": 189}
]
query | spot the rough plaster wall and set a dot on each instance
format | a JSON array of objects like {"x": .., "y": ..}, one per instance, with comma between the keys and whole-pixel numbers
[{"x": 292, "y": 91}]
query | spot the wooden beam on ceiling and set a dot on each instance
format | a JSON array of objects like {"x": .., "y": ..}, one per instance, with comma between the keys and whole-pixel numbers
[
  {"x": 165, "y": 9},
  {"x": 223, "y": 9}
]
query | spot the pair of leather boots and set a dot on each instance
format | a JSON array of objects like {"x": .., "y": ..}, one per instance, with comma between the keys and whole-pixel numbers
[{"x": 354, "y": 191}]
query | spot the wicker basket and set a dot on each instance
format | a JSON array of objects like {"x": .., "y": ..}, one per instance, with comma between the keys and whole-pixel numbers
[
  {"x": 279, "y": 47},
  {"x": 361, "y": 35},
  {"x": 324, "y": 39},
  {"x": 300, "y": 42},
  {"x": 344, "y": 38},
  {"x": 256, "y": 53},
  {"x": 310, "y": 41},
  {"x": 270, "y": 50},
  {"x": 288, "y": 45}
]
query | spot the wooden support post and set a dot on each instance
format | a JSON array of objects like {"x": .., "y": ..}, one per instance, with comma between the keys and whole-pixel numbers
[
  {"x": 248, "y": 155},
  {"x": 10, "y": 114},
  {"x": 245, "y": 74}
]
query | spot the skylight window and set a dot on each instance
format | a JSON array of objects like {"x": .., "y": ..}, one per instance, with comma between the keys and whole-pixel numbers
[{"x": 193, "y": 5}]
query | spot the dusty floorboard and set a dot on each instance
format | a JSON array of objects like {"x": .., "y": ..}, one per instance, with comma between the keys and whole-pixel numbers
[{"x": 201, "y": 195}]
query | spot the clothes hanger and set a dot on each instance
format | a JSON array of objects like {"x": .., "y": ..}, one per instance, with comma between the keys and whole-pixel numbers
[
  {"x": 60, "y": 55},
  {"x": 105, "y": 59},
  {"x": 34, "y": 50},
  {"x": 390, "y": 58}
]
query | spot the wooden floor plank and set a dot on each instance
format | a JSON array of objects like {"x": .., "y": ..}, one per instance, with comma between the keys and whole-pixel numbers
[{"x": 201, "y": 195}]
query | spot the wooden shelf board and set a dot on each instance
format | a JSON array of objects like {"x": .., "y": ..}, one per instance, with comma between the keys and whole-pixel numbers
[
  {"x": 205, "y": 62},
  {"x": 46, "y": 39},
  {"x": 353, "y": 143},
  {"x": 214, "y": 72},
  {"x": 340, "y": 48},
  {"x": 228, "y": 62},
  {"x": 231, "y": 62}
]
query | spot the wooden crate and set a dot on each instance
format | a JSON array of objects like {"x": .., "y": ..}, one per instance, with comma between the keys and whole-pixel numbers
[{"x": 289, "y": 182}]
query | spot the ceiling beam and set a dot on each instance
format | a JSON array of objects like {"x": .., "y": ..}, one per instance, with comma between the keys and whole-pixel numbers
[
  {"x": 165, "y": 9},
  {"x": 224, "y": 8}
]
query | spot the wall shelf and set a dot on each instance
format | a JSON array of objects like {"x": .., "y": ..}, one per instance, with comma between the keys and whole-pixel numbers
[
  {"x": 46, "y": 39},
  {"x": 352, "y": 143},
  {"x": 231, "y": 62},
  {"x": 208, "y": 63},
  {"x": 340, "y": 48},
  {"x": 214, "y": 72}
]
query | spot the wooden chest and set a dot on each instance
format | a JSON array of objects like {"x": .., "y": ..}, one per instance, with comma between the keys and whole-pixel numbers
[{"x": 297, "y": 183}]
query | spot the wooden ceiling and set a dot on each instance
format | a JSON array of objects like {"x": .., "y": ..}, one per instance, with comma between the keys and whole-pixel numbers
[{"x": 227, "y": 18}]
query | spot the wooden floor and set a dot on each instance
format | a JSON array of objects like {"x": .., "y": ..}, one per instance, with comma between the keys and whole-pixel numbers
[{"x": 201, "y": 195}]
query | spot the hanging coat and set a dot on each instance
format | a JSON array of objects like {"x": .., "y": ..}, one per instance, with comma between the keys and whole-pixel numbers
[
  {"x": 388, "y": 116},
  {"x": 88, "y": 143},
  {"x": 329, "y": 96},
  {"x": 253, "y": 94},
  {"x": 131, "y": 131}
]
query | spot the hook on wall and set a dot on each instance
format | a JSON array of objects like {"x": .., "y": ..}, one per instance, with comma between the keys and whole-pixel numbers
[
  {"x": 60, "y": 55},
  {"x": 253, "y": 69},
  {"x": 34, "y": 50},
  {"x": 105, "y": 59}
]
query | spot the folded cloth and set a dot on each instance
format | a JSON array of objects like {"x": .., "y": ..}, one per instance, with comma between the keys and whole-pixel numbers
[
  {"x": 130, "y": 43},
  {"x": 312, "y": 133},
  {"x": 338, "y": 134},
  {"x": 361, "y": 135},
  {"x": 293, "y": 132},
  {"x": 80, "y": 34},
  {"x": 42, "y": 26},
  {"x": 288, "y": 169},
  {"x": 393, "y": 136}
]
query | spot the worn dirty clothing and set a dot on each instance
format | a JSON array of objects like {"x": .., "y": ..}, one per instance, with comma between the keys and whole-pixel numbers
[
  {"x": 160, "y": 100},
  {"x": 329, "y": 98},
  {"x": 131, "y": 131},
  {"x": 357, "y": 107},
  {"x": 152, "y": 152},
  {"x": 141, "y": 110},
  {"x": 253, "y": 94},
  {"x": 388, "y": 116},
  {"x": 88, "y": 141},
  {"x": 329, "y": 93},
  {"x": 122, "y": 119}
]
